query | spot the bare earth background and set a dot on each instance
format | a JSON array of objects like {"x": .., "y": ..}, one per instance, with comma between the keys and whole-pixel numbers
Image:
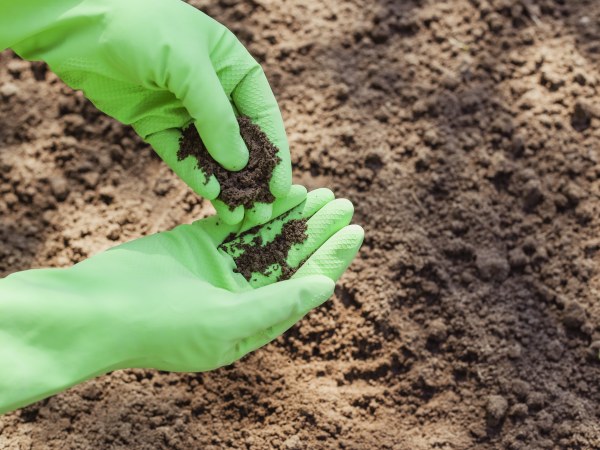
[{"x": 467, "y": 135}]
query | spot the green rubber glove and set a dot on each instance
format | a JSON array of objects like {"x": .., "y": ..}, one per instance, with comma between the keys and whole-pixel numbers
[
  {"x": 158, "y": 65},
  {"x": 170, "y": 301}
]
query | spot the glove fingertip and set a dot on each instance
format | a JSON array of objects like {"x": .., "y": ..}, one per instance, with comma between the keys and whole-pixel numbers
[
  {"x": 318, "y": 289},
  {"x": 333, "y": 258},
  {"x": 227, "y": 148},
  {"x": 281, "y": 180},
  {"x": 258, "y": 215},
  {"x": 210, "y": 189},
  {"x": 230, "y": 217}
]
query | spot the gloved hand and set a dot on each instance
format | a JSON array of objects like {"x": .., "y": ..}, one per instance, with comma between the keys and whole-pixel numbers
[
  {"x": 158, "y": 65},
  {"x": 169, "y": 301}
]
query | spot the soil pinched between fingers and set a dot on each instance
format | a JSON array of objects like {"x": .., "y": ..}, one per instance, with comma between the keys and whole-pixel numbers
[{"x": 247, "y": 186}]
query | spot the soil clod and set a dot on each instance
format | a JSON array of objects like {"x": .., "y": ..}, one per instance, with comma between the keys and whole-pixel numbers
[
  {"x": 496, "y": 409},
  {"x": 492, "y": 265}
]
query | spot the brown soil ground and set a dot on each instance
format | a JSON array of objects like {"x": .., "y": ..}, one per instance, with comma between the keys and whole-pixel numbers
[{"x": 467, "y": 135}]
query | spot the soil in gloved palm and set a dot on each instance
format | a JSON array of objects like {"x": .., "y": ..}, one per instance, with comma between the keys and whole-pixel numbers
[
  {"x": 247, "y": 186},
  {"x": 260, "y": 257}
]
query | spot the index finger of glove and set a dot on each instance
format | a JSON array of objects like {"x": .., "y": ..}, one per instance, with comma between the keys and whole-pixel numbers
[
  {"x": 195, "y": 82},
  {"x": 245, "y": 82},
  {"x": 254, "y": 98}
]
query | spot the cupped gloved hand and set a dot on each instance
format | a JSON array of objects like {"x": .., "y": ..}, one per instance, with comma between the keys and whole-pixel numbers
[
  {"x": 158, "y": 65},
  {"x": 171, "y": 301}
]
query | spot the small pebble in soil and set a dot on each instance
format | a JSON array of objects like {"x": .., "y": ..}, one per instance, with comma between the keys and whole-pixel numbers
[
  {"x": 491, "y": 265},
  {"x": 532, "y": 195},
  {"x": 517, "y": 258},
  {"x": 496, "y": 409},
  {"x": 594, "y": 351},
  {"x": 437, "y": 331},
  {"x": 59, "y": 188},
  {"x": 535, "y": 400},
  {"x": 581, "y": 118},
  {"x": 554, "y": 351},
  {"x": 519, "y": 410},
  {"x": 574, "y": 315},
  {"x": 8, "y": 90}
]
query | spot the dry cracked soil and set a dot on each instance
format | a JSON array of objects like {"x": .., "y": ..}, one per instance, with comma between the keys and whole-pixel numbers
[{"x": 467, "y": 134}]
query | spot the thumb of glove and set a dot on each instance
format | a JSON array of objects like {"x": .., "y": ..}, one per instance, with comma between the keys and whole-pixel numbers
[{"x": 271, "y": 310}]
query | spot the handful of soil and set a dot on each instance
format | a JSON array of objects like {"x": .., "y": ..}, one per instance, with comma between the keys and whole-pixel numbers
[
  {"x": 259, "y": 257},
  {"x": 249, "y": 185}
]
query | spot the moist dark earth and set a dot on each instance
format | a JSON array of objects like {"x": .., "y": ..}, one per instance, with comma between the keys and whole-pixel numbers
[
  {"x": 260, "y": 257},
  {"x": 467, "y": 135},
  {"x": 244, "y": 187}
]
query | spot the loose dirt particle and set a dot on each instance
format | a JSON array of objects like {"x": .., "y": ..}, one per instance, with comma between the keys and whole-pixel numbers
[
  {"x": 520, "y": 389},
  {"x": 583, "y": 113},
  {"x": 247, "y": 186},
  {"x": 532, "y": 194},
  {"x": 8, "y": 90},
  {"x": 517, "y": 258},
  {"x": 492, "y": 266},
  {"x": 574, "y": 315},
  {"x": 519, "y": 410},
  {"x": 437, "y": 330},
  {"x": 496, "y": 409},
  {"x": 59, "y": 188},
  {"x": 594, "y": 351},
  {"x": 555, "y": 350}
]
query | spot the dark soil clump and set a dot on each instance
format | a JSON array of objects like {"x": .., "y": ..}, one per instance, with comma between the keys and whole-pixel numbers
[
  {"x": 249, "y": 185},
  {"x": 257, "y": 257}
]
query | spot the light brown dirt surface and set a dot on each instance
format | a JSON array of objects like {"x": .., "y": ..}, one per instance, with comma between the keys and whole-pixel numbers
[{"x": 467, "y": 135}]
